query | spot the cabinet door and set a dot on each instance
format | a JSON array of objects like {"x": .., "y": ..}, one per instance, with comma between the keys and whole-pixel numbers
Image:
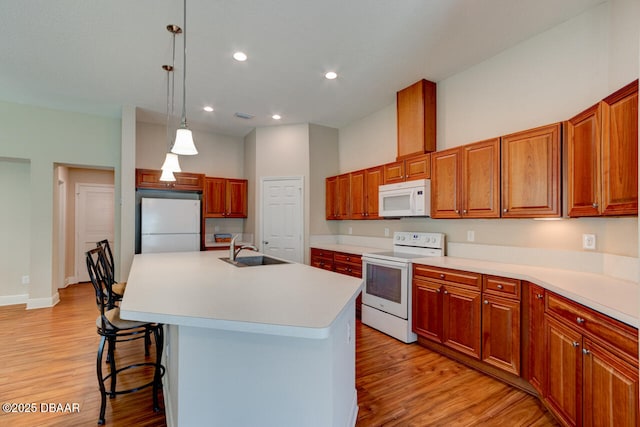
[
  {"x": 620, "y": 152},
  {"x": 214, "y": 197},
  {"x": 394, "y": 172},
  {"x": 501, "y": 333},
  {"x": 610, "y": 388},
  {"x": 236, "y": 198},
  {"x": 564, "y": 372},
  {"x": 418, "y": 167},
  {"x": 357, "y": 195},
  {"x": 427, "y": 310},
  {"x": 374, "y": 177},
  {"x": 445, "y": 192},
  {"x": 331, "y": 197},
  {"x": 536, "y": 340},
  {"x": 583, "y": 163},
  {"x": 416, "y": 115},
  {"x": 461, "y": 320},
  {"x": 481, "y": 179},
  {"x": 344, "y": 195},
  {"x": 531, "y": 173}
]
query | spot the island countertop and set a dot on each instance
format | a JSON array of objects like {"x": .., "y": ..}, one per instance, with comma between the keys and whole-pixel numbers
[{"x": 198, "y": 289}]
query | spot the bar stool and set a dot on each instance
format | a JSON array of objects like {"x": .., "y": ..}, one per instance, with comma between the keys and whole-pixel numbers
[
  {"x": 117, "y": 288},
  {"x": 112, "y": 329}
]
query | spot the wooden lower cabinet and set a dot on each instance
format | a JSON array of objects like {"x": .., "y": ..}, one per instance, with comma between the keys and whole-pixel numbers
[
  {"x": 564, "y": 369},
  {"x": 501, "y": 333},
  {"x": 582, "y": 364},
  {"x": 340, "y": 262}
]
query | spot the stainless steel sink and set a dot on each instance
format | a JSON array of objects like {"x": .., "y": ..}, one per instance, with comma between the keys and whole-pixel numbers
[{"x": 255, "y": 260}]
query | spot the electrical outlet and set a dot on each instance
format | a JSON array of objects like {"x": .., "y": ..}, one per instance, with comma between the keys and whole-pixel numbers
[
  {"x": 25, "y": 280},
  {"x": 589, "y": 241},
  {"x": 471, "y": 236},
  {"x": 386, "y": 232}
]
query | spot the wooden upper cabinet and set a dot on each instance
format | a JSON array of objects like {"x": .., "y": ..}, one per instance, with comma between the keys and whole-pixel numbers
[
  {"x": 357, "y": 195},
  {"x": 343, "y": 205},
  {"x": 416, "y": 113},
  {"x": 481, "y": 179},
  {"x": 394, "y": 172},
  {"x": 185, "y": 181},
  {"x": 602, "y": 157},
  {"x": 620, "y": 152},
  {"x": 331, "y": 198},
  {"x": 531, "y": 173},
  {"x": 466, "y": 181},
  {"x": 416, "y": 167},
  {"x": 583, "y": 146},
  {"x": 225, "y": 198},
  {"x": 445, "y": 183},
  {"x": 374, "y": 177}
]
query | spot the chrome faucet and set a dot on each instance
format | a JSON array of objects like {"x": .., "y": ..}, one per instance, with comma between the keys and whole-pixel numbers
[{"x": 233, "y": 252}]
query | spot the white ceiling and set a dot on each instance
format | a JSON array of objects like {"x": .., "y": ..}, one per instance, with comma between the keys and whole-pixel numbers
[{"x": 94, "y": 55}]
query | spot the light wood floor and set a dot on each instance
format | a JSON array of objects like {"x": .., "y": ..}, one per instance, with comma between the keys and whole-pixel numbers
[{"x": 48, "y": 356}]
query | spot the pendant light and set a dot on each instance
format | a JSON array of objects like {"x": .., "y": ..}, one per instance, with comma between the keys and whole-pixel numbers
[
  {"x": 171, "y": 163},
  {"x": 184, "y": 144}
]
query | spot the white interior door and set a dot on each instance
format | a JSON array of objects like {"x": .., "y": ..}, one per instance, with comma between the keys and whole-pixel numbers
[
  {"x": 282, "y": 214},
  {"x": 94, "y": 222}
]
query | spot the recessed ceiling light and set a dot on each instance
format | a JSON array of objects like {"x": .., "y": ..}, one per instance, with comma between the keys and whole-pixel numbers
[
  {"x": 240, "y": 56},
  {"x": 331, "y": 75},
  {"x": 276, "y": 117},
  {"x": 208, "y": 109}
]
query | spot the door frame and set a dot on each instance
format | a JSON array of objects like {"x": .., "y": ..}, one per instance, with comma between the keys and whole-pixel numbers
[
  {"x": 300, "y": 180},
  {"x": 76, "y": 221}
]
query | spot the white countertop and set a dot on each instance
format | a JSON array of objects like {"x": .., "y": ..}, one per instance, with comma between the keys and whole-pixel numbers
[
  {"x": 198, "y": 289},
  {"x": 614, "y": 297}
]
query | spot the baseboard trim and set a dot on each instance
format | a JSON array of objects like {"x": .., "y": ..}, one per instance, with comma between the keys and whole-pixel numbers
[
  {"x": 33, "y": 303},
  {"x": 14, "y": 299}
]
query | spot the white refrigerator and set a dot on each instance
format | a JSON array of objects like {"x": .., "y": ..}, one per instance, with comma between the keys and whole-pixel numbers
[{"x": 169, "y": 225}]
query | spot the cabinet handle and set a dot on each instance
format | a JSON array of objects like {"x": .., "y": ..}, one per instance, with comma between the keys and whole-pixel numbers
[
  {"x": 580, "y": 320},
  {"x": 486, "y": 302},
  {"x": 442, "y": 276},
  {"x": 585, "y": 351},
  {"x": 575, "y": 344},
  {"x": 464, "y": 211},
  {"x": 348, "y": 259},
  {"x": 438, "y": 290},
  {"x": 446, "y": 292},
  {"x": 500, "y": 286},
  {"x": 457, "y": 211},
  {"x": 595, "y": 205},
  {"x": 504, "y": 210},
  {"x": 539, "y": 296}
]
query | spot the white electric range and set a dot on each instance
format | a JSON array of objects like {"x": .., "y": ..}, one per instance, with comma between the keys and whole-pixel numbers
[{"x": 386, "y": 298}]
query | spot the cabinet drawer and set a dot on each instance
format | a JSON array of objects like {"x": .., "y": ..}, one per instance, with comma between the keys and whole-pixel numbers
[
  {"x": 472, "y": 280},
  {"x": 501, "y": 286},
  {"x": 348, "y": 269},
  {"x": 321, "y": 253},
  {"x": 347, "y": 258},
  {"x": 594, "y": 324},
  {"x": 322, "y": 263}
]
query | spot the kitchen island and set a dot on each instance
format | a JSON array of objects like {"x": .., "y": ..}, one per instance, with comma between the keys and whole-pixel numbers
[{"x": 269, "y": 345}]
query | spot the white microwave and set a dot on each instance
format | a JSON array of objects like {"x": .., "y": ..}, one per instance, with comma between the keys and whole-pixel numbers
[{"x": 409, "y": 198}]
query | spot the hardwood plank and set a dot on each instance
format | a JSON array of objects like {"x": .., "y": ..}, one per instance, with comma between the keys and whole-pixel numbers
[{"x": 48, "y": 356}]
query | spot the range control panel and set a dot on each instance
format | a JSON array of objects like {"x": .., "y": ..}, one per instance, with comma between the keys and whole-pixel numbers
[{"x": 419, "y": 239}]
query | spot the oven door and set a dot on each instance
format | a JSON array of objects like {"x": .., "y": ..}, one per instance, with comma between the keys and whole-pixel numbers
[{"x": 386, "y": 285}]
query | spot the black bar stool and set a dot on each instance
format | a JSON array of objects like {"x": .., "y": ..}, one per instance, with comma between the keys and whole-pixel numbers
[{"x": 112, "y": 329}]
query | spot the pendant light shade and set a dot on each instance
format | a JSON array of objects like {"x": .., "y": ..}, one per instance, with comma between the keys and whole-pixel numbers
[
  {"x": 184, "y": 144},
  {"x": 167, "y": 175},
  {"x": 171, "y": 163}
]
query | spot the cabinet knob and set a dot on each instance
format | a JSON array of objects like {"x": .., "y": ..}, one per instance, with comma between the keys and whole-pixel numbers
[
  {"x": 486, "y": 302},
  {"x": 457, "y": 211},
  {"x": 580, "y": 320},
  {"x": 595, "y": 205},
  {"x": 348, "y": 258},
  {"x": 438, "y": 290},
  {"x": 500, "y": 286},
  {"x": 446, "y": 292},
  {"x": 504, "y": 210},
  {"x": 585, "y": 351},
  {"x": 539, "y": 296},
  {"x": 575, "y": 344},
  {"x": 464, "y": 211},
  {"x": 442, "y": 276}
]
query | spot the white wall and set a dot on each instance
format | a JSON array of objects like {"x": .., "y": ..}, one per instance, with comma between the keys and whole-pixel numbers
[
  {"x": 218, "y": 155},
  {"x": 545, "y": 79},
  {"x": 323, "y": 162},
  {"x": 45, "y": 137}
]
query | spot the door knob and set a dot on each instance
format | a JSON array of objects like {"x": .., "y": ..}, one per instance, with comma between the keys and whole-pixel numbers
[{"x": 265, "y": 242}]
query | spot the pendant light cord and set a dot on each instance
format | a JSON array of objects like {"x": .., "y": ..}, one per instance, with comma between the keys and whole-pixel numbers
[{"x": 184, "y": 66}]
